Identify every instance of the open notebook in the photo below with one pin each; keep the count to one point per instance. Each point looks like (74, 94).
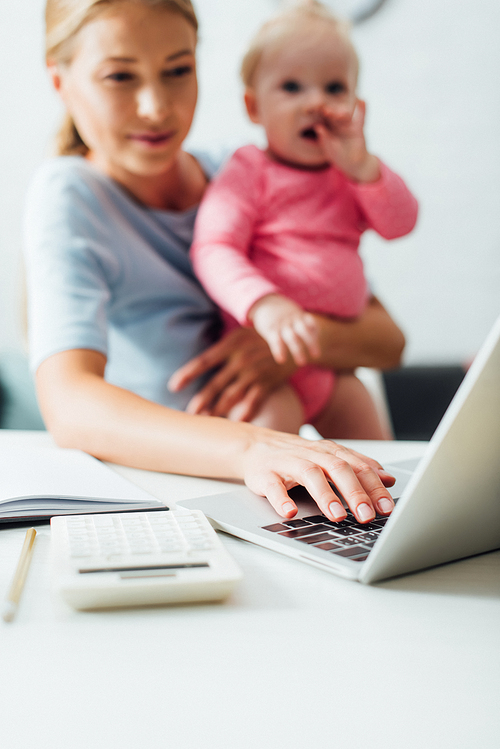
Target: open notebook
(37, 483)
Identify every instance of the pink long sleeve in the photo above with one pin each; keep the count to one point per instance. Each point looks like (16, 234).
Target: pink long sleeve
(265, 227)
(223, 233)
(389, 207)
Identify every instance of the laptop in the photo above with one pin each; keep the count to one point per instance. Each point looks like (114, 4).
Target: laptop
(446, 509)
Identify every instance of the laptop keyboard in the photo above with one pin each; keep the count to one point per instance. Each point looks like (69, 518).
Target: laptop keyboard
(345, 539)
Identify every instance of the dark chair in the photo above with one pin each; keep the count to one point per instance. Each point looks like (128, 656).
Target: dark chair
(418, 397)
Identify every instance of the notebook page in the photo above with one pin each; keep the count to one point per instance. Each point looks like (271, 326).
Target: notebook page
(56, 472)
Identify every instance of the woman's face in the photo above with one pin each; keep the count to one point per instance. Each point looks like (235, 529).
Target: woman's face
(131, 88)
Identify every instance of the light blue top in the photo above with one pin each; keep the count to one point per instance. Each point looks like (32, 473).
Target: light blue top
(108, 274)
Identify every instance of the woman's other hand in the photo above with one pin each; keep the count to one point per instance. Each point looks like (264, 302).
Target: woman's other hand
(246, 374)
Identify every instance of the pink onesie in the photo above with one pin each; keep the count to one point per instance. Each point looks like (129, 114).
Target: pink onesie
(264, 227)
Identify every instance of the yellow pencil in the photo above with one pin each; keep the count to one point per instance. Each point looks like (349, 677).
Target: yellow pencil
(14, 594)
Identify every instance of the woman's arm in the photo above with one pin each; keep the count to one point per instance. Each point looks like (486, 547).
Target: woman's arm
(372, 340)
(247, 373)
(83, 411)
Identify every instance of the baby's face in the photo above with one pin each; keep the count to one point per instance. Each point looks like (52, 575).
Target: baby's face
(300, 81)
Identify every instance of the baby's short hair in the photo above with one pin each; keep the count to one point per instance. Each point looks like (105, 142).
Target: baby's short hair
(286, 23)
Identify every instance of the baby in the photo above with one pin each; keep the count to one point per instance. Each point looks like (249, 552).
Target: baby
(277, 233)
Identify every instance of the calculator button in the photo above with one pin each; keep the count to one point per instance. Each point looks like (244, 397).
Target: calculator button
(201, 545)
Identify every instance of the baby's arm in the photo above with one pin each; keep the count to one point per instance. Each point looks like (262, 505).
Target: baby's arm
(220, 254)
(286, 327)
(223, 233)
(389, 207)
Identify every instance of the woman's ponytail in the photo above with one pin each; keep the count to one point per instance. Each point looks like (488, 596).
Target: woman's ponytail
(68, 141)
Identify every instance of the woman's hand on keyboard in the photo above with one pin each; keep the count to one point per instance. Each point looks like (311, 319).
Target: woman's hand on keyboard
(279, 462)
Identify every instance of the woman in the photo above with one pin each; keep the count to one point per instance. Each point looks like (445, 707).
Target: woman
(114, 307)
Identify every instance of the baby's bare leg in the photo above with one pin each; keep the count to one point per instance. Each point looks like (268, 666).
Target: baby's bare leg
(351, 413)
(282, 411)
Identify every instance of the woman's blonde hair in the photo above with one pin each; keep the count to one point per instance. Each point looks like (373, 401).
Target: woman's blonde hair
(63, 20)
(286, 23)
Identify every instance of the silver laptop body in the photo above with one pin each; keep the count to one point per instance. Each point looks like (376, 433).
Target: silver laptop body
(448, 508)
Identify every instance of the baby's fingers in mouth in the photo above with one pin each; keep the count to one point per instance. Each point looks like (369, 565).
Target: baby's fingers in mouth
(309, 133)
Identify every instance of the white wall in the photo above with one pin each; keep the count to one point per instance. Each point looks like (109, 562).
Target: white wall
(430, 74)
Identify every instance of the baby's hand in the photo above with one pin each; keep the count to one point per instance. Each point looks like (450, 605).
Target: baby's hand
(342, 137)
(287, 328)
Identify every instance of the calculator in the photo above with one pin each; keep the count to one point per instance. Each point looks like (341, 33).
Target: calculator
(139, 559)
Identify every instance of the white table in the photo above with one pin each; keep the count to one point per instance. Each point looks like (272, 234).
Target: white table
(297, 658)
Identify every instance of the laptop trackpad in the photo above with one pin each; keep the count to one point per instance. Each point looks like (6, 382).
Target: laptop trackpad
(408, 465)
(402, 470)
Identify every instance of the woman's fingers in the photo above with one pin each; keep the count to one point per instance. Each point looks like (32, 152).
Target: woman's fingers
(231, 396)
(223, 391)
(311, 477)
(277, 496)
(198, 366)
(246, 373)
(314, 468)
(358, 459)
(345, 480)
(380, 497)
(249, 405)
(205, 400)
(386, 478)
(360, 485)
(314, 480)
(230, 347)
(384, 475)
